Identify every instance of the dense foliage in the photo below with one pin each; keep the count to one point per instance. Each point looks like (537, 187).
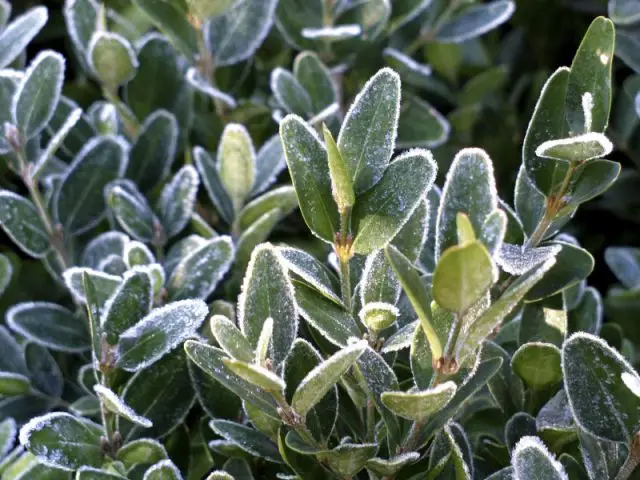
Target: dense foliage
(319, 239)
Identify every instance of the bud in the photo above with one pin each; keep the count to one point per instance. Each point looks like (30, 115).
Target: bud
(379, 315)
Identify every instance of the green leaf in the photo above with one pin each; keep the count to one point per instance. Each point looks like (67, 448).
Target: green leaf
(326, 316)
(368, 134)
(198, 273)
(49, 325)
(312, 272)
(270, 162)
(543, 323)
(63, 440)
(43, 370)
(592, 179)
(134, 214)
(153, 152)
(421, 125)
(163, 470)
(20, 221)
(463, 274)
(316, 79)
(301, 464)
(231, 339)
(213, 184)
(171, 19)
(411, 238)
(625, 264)
(210, 360)
(482, 327)
(538, 364)
(236, 164)
(56, 142)
(38, 93)
(178, 200)
(341, 184)
(236, 34)
(391, 466)
(143, 450)
(406, 11)
(599, 388)
(494, 230)
(349, 458)
(112, 59)
(8, 434)
(158, 333)
(267, 293)
(12, 384)
(576, 149)
(573, 264)
(420, 357)
(116, 405)
(307, 161)
(103, 284)
(247, 439)
(205, 9)
(6, 272)
(162, 394)
(90, 473)
(255, 374)
(382, 211)
(476, 21)
(531, 455)
(587, 315)
(469, 188)
(420, 405)
(290, 94)
(379, 315)
(418, 296)
(320, 380)
(591, 73)
(76, 205)
(13, 359)
(547, 123)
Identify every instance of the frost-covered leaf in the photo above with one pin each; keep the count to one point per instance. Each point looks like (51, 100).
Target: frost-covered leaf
(411, 238)
(326, 316)
(469, 188)
(79, 204)
(137, 254)
(316, 79)
(199, 272)
(38, 93)
(377, 316)
(463, 274)
(17, 35)
(91, 473)
(257, 233)
(153, 152)
(576, 149)
(419, 405)
(307, 161)
(539, 323)
(531, 455)
(270, 162)
(8, 433)
(311, 271)
(112, 59)
(538, 364)
(116, 405)
(213, 184)
(56, 142)
(383, 210)
(231, 339)
(236, 163)
(13, 384)
(158, 333)
(204, 9)
(202, 85)
(134, 214)
(63, 440)
(267, 293)
(493, 231)
(517, 260)
(320, 380)
(587, 315)
(236, 34)
(20, 221)
(391, 466)
(143, 450)
(368, 134)
(341, 185)
(129, 304)
(9, 81)
(49, 325)
(599, 388)
(163, 470)
(475, 21)
(591, 73)
(43, 370)
(104, 283)
(103, 245)
(162, 394)
(6, 272)
(625, 264)
(283, 198)
(178, 200)
(421, 125)
(210, 361)
(379, 282)
(290, 94)
(247, 439)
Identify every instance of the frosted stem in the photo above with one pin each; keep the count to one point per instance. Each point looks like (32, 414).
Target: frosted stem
(632, 461)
